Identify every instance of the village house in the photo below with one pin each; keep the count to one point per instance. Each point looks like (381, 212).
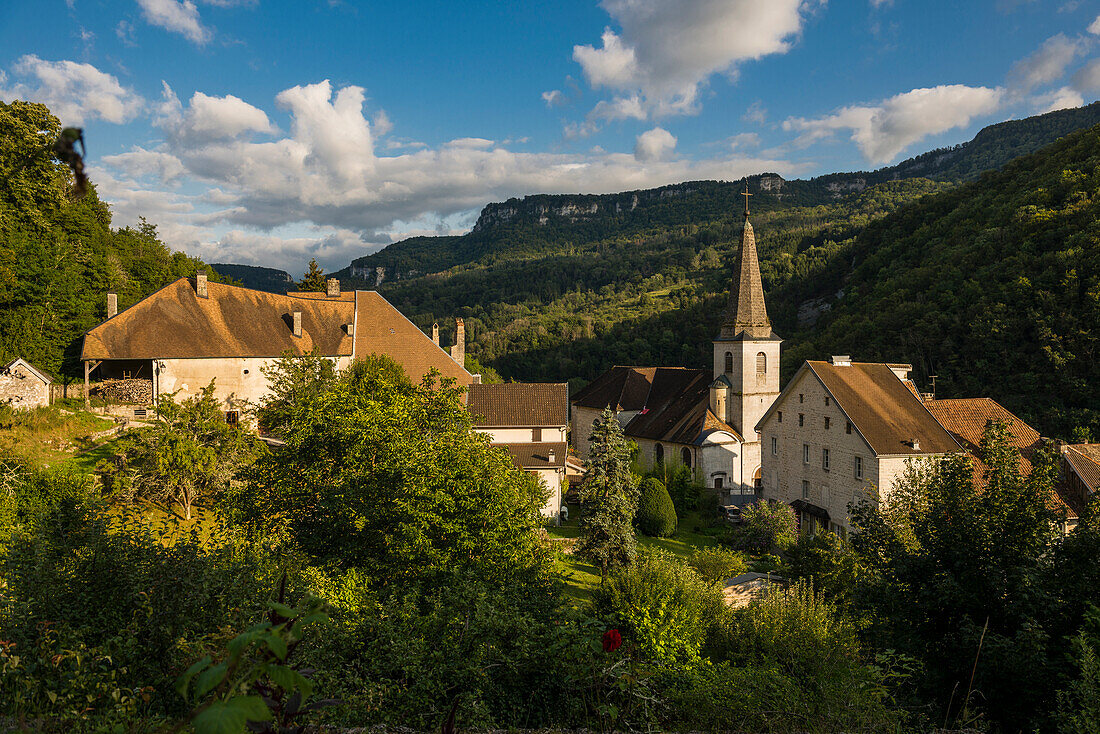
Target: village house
(841, 431)
(530, 421)
(701, 419)
(1080, 476)
(193, 331)
(23, 386)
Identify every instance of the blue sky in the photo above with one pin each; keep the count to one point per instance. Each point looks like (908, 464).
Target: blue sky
(267, 132)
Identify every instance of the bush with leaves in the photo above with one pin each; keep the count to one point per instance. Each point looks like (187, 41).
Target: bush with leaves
(662, 606)
(190, 454)
(766, 527)
(255, 687)
(715, 563)
(828, 561)
(387, 476)
(656, 515)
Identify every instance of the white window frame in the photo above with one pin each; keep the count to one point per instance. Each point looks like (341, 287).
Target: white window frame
(775, 446)
(858, 465)
(805, 453)
(825, 459)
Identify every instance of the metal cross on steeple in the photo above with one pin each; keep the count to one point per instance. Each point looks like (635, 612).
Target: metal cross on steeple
(746, 194)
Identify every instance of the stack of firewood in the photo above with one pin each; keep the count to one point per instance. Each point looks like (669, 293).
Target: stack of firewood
(130, 392)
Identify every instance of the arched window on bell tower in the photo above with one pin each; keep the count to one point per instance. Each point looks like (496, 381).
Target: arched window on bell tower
(761, 368)
(729, 363)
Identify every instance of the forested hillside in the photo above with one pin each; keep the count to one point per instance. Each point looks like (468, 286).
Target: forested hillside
(58, 253)
(271, 280)
(993, 286)
(564, 287)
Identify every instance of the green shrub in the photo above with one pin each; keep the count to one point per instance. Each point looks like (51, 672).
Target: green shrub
(717, 563)
(656, 514)
(663, 606)
(767, 527)
(829, 561)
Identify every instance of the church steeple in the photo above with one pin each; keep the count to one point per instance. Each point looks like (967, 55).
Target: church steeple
(746, 313)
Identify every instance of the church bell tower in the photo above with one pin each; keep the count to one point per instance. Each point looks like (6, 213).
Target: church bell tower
(746, 351)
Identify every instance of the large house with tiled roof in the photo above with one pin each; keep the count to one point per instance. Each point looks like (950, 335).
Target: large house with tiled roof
(530, 421)
(701, 419)
(843, 431)
(193, 331)
(840, 430)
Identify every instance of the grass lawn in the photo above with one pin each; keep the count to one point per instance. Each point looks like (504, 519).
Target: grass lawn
(582, 577)
(55, 437)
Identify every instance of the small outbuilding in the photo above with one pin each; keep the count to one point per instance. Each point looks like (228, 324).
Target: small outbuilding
(24, 387)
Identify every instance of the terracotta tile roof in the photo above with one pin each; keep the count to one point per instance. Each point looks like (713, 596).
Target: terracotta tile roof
(1085, 460)
(966, 419)
(677, 409)
(883, 409)
(233, 321)
(519, 404)
(382, 329)
(537, 455)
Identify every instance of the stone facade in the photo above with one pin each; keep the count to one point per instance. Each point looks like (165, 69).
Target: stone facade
(23, 387)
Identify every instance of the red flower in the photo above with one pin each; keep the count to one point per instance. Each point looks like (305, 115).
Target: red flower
(612, 640)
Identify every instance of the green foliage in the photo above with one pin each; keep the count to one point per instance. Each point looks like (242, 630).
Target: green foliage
(59, 255)
(717, 564)
(489, 376)
(313, 279)
(292, 379)
(663, 606)
(29, 494)
(388, 476)
(1079, 705)
(827, 561)
(254, 687)
(968, 555)
(656, 516)
(190, 454)
(766, 527)
(609, 499)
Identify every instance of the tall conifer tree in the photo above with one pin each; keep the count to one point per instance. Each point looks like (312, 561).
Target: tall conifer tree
(610, 499)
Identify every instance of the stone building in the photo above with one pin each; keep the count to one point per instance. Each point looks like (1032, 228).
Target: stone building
(842, 431)
(193, 331)
(530, 420)
(702, 419)
(24, 387)
(1080, 476)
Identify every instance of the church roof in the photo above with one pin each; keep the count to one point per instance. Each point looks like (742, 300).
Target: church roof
(746, 315)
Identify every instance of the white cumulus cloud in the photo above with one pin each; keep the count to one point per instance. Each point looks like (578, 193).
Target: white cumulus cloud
(327, 186)
(176, 16)
(1046, 65)
(210, 118)
(1087, 78)
(884, 130)
(1059, 99)
(654, 145)
(668, 48)
(1094, 27)
(76, 93)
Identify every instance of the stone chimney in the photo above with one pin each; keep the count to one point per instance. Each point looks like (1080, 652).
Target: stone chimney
(332, 287)
(915, 443)
(200, 285)
(112, 305)
(458, 351)
(350, 328)
(841, 360)
(477, 378)
(551, 456)
(296, 319)
(435, 334)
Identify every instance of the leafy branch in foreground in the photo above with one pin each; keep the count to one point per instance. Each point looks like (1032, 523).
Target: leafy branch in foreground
(255, 688)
